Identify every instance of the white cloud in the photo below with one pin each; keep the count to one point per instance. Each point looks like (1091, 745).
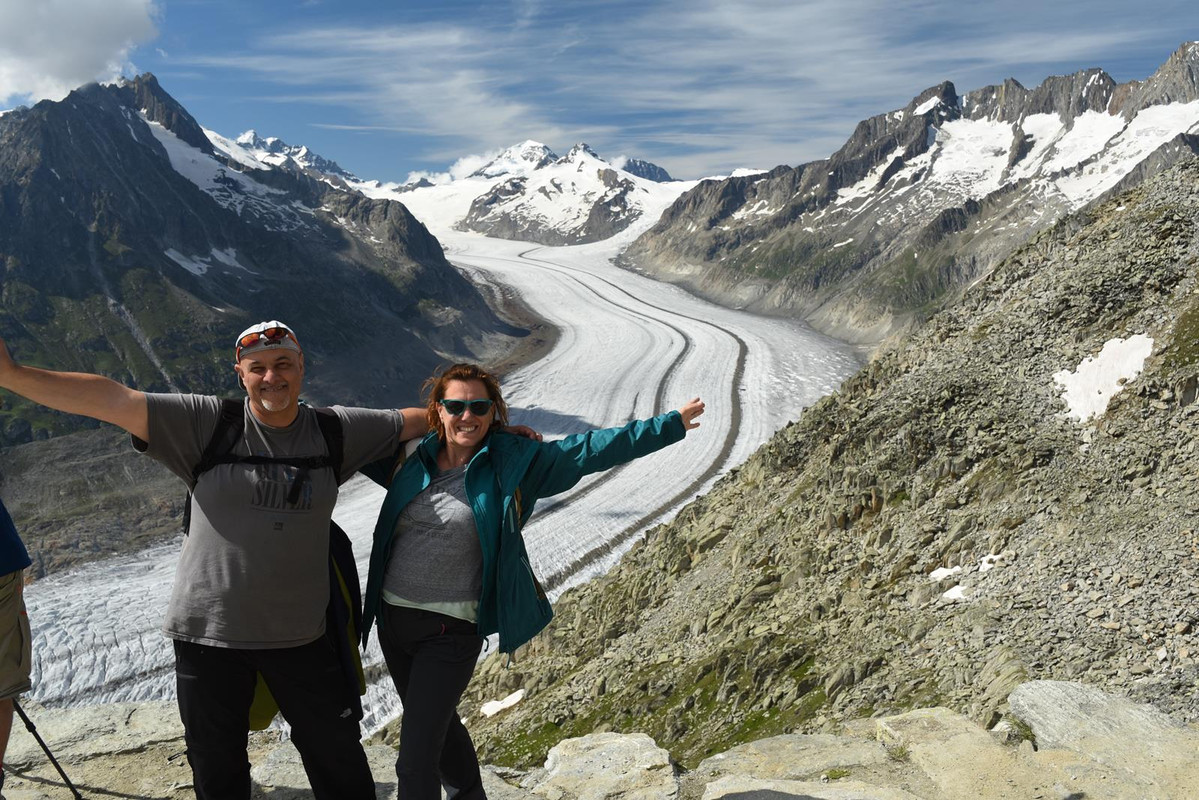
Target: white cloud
(461, 168)
(49, 47)
(697, 85)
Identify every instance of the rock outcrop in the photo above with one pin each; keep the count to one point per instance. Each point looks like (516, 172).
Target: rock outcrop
(1060, 746)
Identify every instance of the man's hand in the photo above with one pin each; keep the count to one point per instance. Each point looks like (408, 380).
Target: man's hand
(689, 411)
(521, 430)
(7, 365)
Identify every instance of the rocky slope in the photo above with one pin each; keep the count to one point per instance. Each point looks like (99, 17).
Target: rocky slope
(1069, 741)
(923, 200)
(131, 246)
(87, 495)
(809, 587)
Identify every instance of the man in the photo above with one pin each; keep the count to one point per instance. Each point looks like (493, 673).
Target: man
(251, 586)
(15, 638)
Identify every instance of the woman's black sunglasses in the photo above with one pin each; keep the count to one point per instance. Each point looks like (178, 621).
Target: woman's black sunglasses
(455, 408)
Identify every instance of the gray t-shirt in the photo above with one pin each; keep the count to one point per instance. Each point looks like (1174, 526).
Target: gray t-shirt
(253, 572)
(436, 562)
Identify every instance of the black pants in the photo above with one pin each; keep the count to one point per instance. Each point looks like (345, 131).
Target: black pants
(216, 686)
(431, 658)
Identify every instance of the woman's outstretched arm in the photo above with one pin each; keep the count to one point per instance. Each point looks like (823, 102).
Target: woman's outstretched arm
(559, 465)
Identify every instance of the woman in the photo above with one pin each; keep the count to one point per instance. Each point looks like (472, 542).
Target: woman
(449, 566)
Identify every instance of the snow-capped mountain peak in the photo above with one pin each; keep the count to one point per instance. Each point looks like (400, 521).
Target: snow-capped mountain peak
(520, 159)
(527, 192)
(252, 140)
(254, 150)
(578, 152)
(642, 169)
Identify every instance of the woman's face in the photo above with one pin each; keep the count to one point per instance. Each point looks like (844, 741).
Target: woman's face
(466, 430)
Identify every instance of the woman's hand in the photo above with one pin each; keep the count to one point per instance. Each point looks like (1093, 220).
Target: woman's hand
(689, 411)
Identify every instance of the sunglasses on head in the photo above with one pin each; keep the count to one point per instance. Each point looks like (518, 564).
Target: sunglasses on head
(456, 408)
(270, 336)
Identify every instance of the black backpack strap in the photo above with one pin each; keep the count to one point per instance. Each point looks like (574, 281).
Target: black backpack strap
(228, 431)
(335, 439)
(229, 426)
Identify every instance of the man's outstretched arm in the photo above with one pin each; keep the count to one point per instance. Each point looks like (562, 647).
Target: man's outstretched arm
(415, 423)
(77, 393)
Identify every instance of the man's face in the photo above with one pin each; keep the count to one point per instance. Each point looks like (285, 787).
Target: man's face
(273, 379)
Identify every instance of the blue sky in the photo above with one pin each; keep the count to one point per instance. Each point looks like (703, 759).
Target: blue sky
(701, 87)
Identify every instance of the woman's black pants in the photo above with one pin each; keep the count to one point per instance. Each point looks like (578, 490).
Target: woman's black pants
(431, 658)
(216, 687)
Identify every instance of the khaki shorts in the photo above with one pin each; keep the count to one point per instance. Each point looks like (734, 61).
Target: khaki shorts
(15, 640)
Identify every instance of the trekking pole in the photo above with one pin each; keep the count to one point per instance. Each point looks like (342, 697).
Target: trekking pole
(33, 729)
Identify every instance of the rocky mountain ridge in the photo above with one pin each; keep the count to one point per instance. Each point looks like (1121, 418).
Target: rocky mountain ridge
(131, 246)
(278, 153)
(937, 532)
(922, 201)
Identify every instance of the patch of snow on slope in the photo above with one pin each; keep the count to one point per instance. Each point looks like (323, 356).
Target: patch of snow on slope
(1149, 130)
(233, 190)
(199, 265)
(493, 707)
(927, 106)
(971, 156)
(955, 595)
(1090, 387)
(1091, 132)
(866, 186)
(189, 264)
(758, 209)
(228, 257)
(1045, 131)
(235, 151)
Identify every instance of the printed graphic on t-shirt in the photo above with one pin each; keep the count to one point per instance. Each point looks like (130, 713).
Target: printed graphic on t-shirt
(273, 485)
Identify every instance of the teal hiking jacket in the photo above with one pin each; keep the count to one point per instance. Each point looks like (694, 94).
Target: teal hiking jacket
(504, 480)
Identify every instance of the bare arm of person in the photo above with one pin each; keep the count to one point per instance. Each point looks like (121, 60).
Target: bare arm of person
(689, 411)
(415, 423)
(77, 393)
